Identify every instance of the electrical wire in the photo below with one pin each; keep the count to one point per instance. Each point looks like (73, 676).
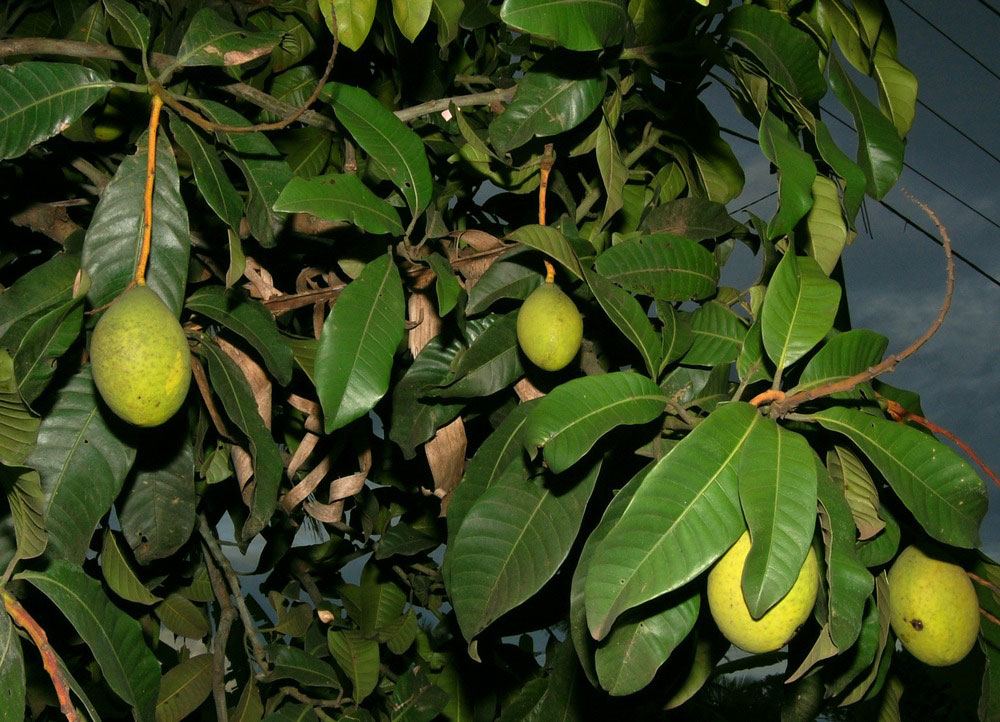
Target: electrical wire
(990, 8)
(951, 40)
(955, 128)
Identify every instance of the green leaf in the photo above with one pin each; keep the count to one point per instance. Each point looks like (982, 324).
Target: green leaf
(447, 14)
(114, 638)
(114, 238)
(238, 401)
(340, 197)
(446, 286)
(682, 518)
(626, 313)
(43, 99)
(157, 512)
(550, 241)
(358, 657)
(614, 172)
(90, 27)
(510, 277)
(752, 365)
(675, 336)
(265, 170)
(119, 574)
(47, 339)
(718, 336)
(848, 472)
(692, 218)
(209, 175)
(415, 698)
(556, 94)
(212, 40)
(568, 421)
(897, 90)
(512, 541)
(184, 687)
(182, 617)
(854, 184)
(18, 426)
(293, 663)
(574, 24)
(849, 582)
(23, 489)
(826, 231)
(134, 23)
(411, 16)
(882, 547)
(491, 363)
(880, 151)
(11, 672)
(642, 640)
(82, 463)
(354, 19)
(358, 342)
(304, 713)
(30, 296)
(249, 708)
(799, 309)
(382, 602)
(939, 487)
(307, 150)
(665, 267)
(386, 139)
(790, 56)
(841, 357)
(777, 482)
(248, 318)
(796, 173)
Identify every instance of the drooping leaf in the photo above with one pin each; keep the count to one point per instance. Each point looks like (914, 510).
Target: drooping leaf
(42, 288)
(897, 89)
(133, 22)
(386, 139)
(510, 277)
(573, 24)
(492, 362)
(212, 40)
(11, 672)
(777, 483)
(796, 173)
(550, 241)
(182, 617)
(693, 218)
(23, 489)
(939, 487)
(114, 238)
(43, 99)
(848, 472)
(18, 426)
(626, 313)
(826, 230)
(184, 687)
(358, 342)
(358, 657)
(446, 286)
(799, 309)
(340, 197)
(119, 574)
(209, 175)
(841, 357)
(682, 518)
(354, 19)
(114, 638)
(293, 663)
(568, 421)
(82, 462)
(382, 601)
(675, 336)
(665, 267)
(556, 94)
(248, 318)
(854, 181)
(513, 539)
(752, 364)
(614, 172)
(411, 16)
(447, 14)
(718, 336)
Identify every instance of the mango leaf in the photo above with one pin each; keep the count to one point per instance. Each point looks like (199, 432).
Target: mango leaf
(184, 687)
(718, 336)
(447, 14)
(114, 238)
(134, 23)
(411, 16)
(778, 495)
(897, 89)
(665, 267)
(752, 364)
(265, 170)
(415, 698)
(307, 150)
(849, 582)
(386, 139)
(43, 99)
(675, 336)
(796, 173)
(854, 184)
(841, 357)
(826, 230)
(381, 601)
(249, 708)
(939, 487)
(514, 538)
(789, 55)
(568, 421)
(510, 277)
(880, 151)
(446, 286)
(157, 512)
(358, 657)
(354, 19)
(119, 574)
(626, 313)
(358, 342)
(694, 218)
(238, 401)
(550, 241)
(82, 463)
(614, 172)
(248, 318)
(882, 547)
(491, 363)
(182, 617)
(573, 24)
(212, 40)
(11, 672)
(22, 487)
(883, 652)
(340, 197)
(18, 426)
(47, 339)
(848, 472)
(114, 638)
(556, 94)
(42, 288)
(682, 518)
(799, 309)
(209, 175)
(293, 663)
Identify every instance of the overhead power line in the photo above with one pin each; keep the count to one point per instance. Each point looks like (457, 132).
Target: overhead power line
(958, 130)
(951, 40)
(990, 8)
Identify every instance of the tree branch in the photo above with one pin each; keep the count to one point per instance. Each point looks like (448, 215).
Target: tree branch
(226, 619)
(459, 101)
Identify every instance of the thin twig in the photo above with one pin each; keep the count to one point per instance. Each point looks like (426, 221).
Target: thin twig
(503, 95)
(147, 198)
(783, 406)
(49, 659)
(95, 175)
(226, 619)
(312, 701)
(989, 616)
(259, 653)
(548, 159)
(985, 582)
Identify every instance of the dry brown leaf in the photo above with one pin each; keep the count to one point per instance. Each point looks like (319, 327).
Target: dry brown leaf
(480, 240)
(446, 457)
(206, 395)
(298, 493)
(302, 452)
(260, 384)
(422, 313)
(243, 464)
(261, 284)
(526, 391)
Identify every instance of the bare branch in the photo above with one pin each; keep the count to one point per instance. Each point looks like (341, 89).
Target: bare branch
(226, 620)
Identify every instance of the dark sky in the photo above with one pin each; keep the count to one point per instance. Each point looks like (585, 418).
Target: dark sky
(895, 275)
